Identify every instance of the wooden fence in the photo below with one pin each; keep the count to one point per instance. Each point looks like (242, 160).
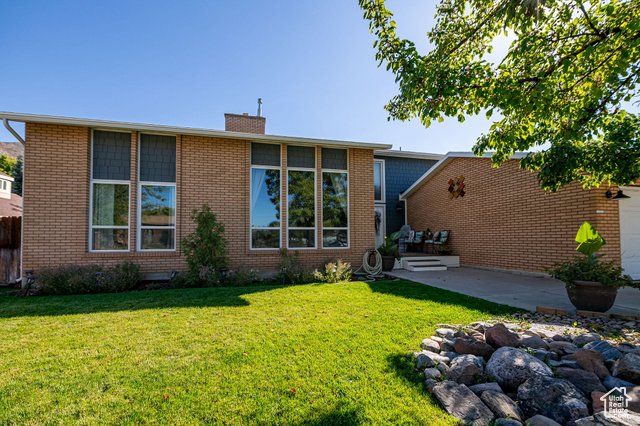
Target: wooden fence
(10, 246)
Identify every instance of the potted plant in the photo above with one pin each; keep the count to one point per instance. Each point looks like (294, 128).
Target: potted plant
(389, 252)
(592, 285)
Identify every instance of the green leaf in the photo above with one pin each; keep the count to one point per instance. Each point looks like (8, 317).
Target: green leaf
(588, 239)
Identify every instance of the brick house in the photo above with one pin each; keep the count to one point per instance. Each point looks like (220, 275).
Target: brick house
(505, 220)
(128, 191)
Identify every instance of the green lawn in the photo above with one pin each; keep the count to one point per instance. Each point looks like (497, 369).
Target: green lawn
(310, 354)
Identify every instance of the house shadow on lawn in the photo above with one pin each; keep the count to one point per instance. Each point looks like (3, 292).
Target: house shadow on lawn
(411, 290)
(11, 307)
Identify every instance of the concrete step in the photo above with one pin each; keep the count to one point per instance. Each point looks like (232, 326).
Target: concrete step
(423, 263)
(425, 268)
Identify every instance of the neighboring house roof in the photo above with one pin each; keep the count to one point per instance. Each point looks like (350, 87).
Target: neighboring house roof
(448, 157)
(33, 118)
(11, 206)
(408, 154)
(6, 176)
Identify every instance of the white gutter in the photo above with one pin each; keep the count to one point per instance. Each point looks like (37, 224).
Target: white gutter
(12, 131)
(409, 154)
(104, 124)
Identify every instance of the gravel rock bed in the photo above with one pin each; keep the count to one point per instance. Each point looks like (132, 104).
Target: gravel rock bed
(534, 369)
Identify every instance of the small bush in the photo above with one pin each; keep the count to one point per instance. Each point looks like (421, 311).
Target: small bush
(240, 277)
(334, 272)
(291, 271)
(82, 279)
(236, 277)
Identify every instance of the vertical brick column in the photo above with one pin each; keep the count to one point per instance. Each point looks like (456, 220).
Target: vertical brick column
(133, 199)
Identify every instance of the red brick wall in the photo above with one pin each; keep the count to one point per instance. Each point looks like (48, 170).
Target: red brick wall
(505, 220)
(244, 123)
(209, 170)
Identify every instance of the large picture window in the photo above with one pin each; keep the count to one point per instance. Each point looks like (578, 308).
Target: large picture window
(157, 193)
(110, 191)
(265, 196)
(301, 193)
(335, 198)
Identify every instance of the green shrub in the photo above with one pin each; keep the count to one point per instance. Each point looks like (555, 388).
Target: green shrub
(240, 277)
(291, 271)
(334, 272)
(205, 250)
(82, 279)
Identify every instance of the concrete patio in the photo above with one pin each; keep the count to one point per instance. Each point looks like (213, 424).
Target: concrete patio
(520, 291)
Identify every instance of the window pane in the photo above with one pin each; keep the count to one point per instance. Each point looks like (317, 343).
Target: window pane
(335, 159)
(158, 207)
(111, 155)
(334, 200)
(263, 238)
(157, 239)
(377, 181)
(110, 204)
(302, 238)
(335, 238)
(302, 197)
(110, 239)
(157, 158)
(265, 154)
(265, 198)
(301, 156)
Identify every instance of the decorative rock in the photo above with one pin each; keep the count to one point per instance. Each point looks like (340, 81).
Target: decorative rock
(451, 355)
(507, 422)
(432, 373)
(442, 368)
(545, 355)
(605, 348)
(627, 348)
(585, 381)
(554, 398)
(465, 369)
(501, 405)
(591, 361)
(511, 367)
(430, 345)
(430, 383)
(583, 339)
(462, 404)
(611, 382)
(599, 419)
(481, 387)
(445, 332)
(437, 339)
(534, 342)
(596, 403)
(499, 336)
(634, 399)
(539, 420)
(426, 359)
(563, 348)
(447, 345)
(469, 345)
(564, 363)
(628, 368)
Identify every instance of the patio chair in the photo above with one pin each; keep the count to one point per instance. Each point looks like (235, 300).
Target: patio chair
(417, 240)
(405, 233)
(441, 240)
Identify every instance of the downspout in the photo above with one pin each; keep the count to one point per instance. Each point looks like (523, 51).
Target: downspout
(17, 136)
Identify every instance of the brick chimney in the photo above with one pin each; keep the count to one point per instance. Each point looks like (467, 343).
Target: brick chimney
(244, 123)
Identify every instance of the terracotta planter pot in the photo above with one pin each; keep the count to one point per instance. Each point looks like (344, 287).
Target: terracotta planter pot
(388, 262)
(592, 296)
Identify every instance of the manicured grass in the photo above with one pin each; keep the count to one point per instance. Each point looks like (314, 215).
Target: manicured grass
(313, 354)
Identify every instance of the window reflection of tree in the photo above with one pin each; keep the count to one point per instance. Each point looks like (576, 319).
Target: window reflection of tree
(154, 203)
(272, 181)
(301, 199)
(334, 200)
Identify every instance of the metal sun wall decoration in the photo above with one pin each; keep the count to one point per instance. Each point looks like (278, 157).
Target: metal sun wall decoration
(456, 188)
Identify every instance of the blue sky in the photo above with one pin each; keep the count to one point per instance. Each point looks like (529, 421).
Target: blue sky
(187, 63)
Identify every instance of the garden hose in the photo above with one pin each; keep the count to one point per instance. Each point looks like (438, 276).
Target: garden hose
(371, 270)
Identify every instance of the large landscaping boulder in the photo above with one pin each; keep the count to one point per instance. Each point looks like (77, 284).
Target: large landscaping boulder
(534, 342)
(501, 405)
(539, 420)
(462, 404)
(591, 361)
(469, 345)
(499, 336)
(481, 387)
(465, 369)
(511, 367)
(600, 419)
(605, 348)
(583, 339)
(556, 399)
(426, 359)
(563, 348)
(628, 368)
(430, 345)
(585, 381)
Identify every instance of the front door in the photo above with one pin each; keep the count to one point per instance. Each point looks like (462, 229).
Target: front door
(630, 232)
(380, 225)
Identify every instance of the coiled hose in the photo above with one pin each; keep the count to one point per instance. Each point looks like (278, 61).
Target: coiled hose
(371, 270)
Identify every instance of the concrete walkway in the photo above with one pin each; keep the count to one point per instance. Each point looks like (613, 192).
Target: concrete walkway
(520, 291)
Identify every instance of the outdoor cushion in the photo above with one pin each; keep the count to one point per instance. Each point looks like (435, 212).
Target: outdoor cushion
(436, 236)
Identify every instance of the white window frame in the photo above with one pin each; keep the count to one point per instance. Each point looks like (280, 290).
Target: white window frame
(348, 228)
(139, 201)
(265, 228)
(108, 182)
(315, 202)
(382, 185)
